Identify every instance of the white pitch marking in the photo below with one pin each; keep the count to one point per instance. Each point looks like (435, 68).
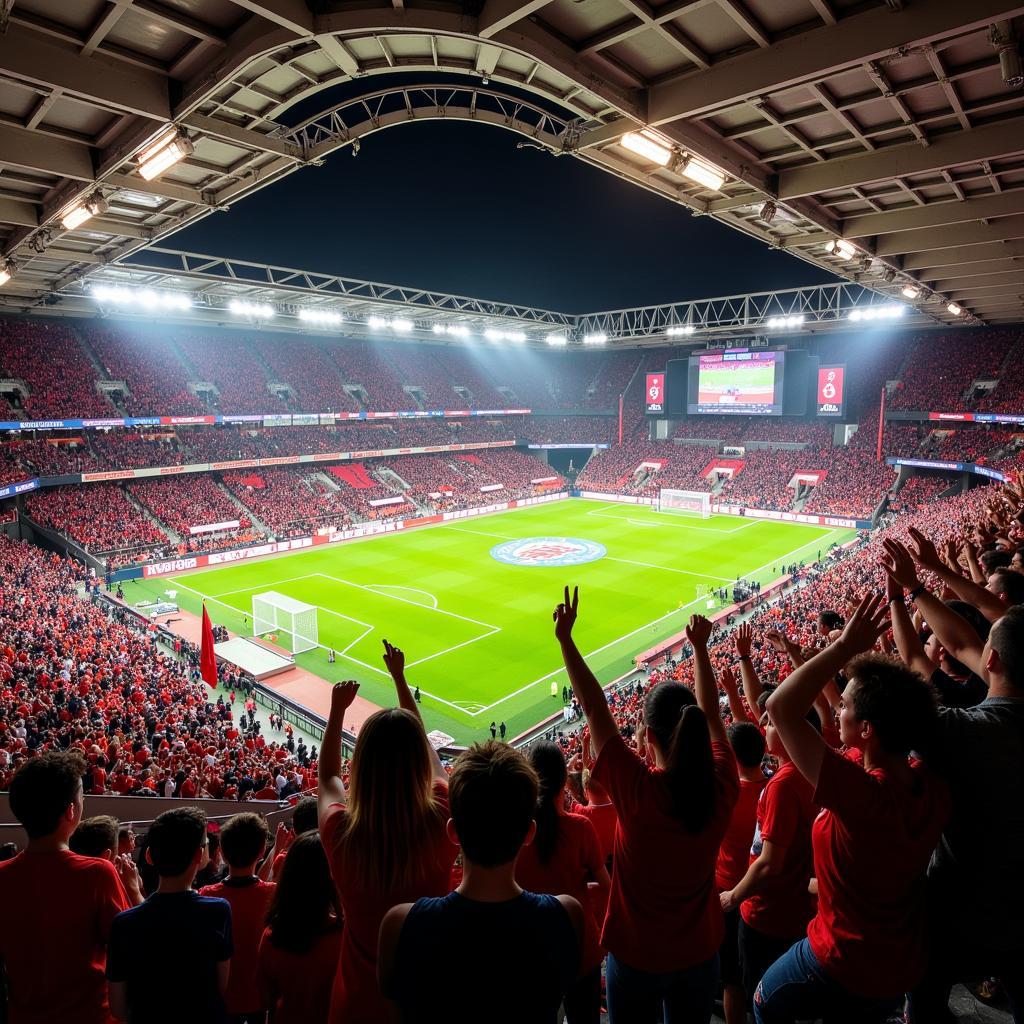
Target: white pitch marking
(394, 586)
(480, 533)
(448, 650)
(598, 650)
(667, 568)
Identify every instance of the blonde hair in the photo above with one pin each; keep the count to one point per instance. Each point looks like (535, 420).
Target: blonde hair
(392, 812)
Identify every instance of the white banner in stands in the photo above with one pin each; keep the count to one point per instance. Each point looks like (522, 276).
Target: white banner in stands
(229, 524)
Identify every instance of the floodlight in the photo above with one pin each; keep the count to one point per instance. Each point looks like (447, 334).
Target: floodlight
(254, 309)
(648, 145)
(6, 272)
(780, 322)
(165, 151)
(703, 173)
(678, 331)
(147, 298)
(768, 211)
(841, 247)
(557, 339)
(892, 311)
(911, 291)
(595, 339)
(955, 309)
(321, 316)
(402, 326)
(79, 213)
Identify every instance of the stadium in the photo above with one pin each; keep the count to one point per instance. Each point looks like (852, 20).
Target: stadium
(560, 559)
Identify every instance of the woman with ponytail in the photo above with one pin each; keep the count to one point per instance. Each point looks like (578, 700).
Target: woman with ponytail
(564, 857)
(664, 923)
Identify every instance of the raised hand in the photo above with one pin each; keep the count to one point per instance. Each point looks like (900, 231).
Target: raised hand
(564, 615)
(728, 680)
(394, 660)
(866, 624)
(777, 640)
(926, 556)
(343, 694)
(899, 565)
(744, 637)
(698, 632)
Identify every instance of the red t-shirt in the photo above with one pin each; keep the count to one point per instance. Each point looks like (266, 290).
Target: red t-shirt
(576, 860)
(297, 987)
(250, 900)
(872, 844)
(57, 909)
(356, 998)
(663, 911)
(604, 819)
(734, 853)
(785, 814)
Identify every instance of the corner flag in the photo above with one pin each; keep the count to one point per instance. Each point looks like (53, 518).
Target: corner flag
(207, 659)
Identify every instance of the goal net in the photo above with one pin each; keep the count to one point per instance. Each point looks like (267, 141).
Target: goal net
(275, 613)
(685, 503)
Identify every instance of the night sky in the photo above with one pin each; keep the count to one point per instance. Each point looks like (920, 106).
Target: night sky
(457, 207)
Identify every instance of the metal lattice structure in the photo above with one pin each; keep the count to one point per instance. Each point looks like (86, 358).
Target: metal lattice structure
(896, 125)
(211, 283)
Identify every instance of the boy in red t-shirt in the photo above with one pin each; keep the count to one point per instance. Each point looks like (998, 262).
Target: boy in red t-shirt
(63, 903)
(243, 842)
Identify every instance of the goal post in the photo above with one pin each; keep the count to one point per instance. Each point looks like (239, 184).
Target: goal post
(275, 613)
(685, 503)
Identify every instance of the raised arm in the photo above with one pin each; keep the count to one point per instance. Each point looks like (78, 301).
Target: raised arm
(583, 682)
(752, 688)
(394, 661)
(967, 590)
(789, 704)
(331, 789)
(698, 632)
(902, 575)
(739, 712)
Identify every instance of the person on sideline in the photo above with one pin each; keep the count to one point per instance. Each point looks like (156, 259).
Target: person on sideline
(522, 947)
(664, 924)
(58, 907)
(384, 833)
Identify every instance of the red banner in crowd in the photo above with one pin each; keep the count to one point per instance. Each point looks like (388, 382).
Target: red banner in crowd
(207, 659)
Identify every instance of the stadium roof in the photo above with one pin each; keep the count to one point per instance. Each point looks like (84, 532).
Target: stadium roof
(896, 126)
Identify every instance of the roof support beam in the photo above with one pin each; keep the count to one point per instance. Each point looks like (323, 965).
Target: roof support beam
(950, 236)
(989, 142)
(242, 137)
(968, 295)
(1008, 265)
(811, 55)
(927, 261)
(933, 214)
(976, 284)
(48, 63)
(498, 15)
(22, 214)
(33, 151)
(293, 15)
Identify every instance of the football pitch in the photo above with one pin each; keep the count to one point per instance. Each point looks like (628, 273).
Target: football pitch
(470, 601)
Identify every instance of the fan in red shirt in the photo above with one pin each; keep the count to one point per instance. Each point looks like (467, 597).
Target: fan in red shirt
(879, 825)
(562, 859)
(63, 904)
(385, 834)
(748, 747)
(243, 842)
(664, 924)
(300, 947)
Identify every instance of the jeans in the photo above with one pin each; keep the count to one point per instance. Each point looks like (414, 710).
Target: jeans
(757, 952)
(684, 997)
(796, 988)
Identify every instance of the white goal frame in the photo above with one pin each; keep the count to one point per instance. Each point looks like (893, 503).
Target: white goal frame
(275, 613)
(684, 503)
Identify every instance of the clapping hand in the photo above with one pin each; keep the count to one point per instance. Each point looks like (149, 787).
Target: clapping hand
(564, 615)
(866, 624)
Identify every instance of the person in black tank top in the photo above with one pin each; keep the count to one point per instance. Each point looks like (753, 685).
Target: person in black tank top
(489, 949)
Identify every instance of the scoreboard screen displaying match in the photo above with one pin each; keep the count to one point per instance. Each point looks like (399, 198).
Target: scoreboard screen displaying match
(736, 382)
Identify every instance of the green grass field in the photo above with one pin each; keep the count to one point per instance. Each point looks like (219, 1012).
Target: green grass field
(477, 632)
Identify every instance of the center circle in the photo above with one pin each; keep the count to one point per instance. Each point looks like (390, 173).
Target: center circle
(548, 552)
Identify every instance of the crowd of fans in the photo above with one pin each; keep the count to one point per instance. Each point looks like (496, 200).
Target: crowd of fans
(815, 814)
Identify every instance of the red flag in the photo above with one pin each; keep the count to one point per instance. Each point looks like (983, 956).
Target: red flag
(207, 659)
